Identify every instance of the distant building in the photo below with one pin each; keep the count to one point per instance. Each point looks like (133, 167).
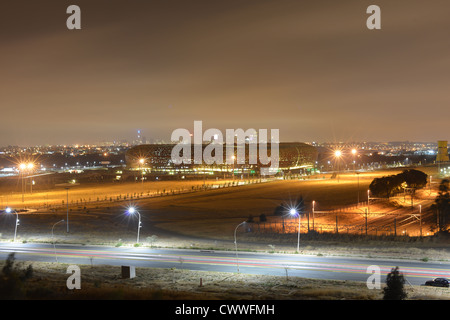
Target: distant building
(442, 153)
(157, 158)
(140, 139)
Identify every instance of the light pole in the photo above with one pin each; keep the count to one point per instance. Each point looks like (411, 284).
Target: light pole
(141, 162)
(368, 201)
(294, 212)
(430, 184)
(235, 245)
(133, 210)
(338, 154)
(23, 167)
(67, 186)
(67, 213)
(313, 208)
(9, 210)
(54, 245)
(232, 172)
(354, 161)
(420, 219)
(357, 174)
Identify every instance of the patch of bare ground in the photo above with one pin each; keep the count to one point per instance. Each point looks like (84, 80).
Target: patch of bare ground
(48, 282)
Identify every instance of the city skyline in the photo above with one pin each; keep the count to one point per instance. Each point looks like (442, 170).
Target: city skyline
(310, 69)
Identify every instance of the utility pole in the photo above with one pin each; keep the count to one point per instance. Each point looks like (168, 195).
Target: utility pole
(366, 222)
(420, 221)
(357, 174)
(313, 205)
(337, 227)
(67, 189)
(395, 226)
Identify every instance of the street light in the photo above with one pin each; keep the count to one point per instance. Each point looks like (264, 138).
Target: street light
(313, 208)
(9, 210)
(132, 211)
(337, 155)
(357, 174)
(141, 162)
(67, 186)
(420, 219)
(235, 245)
(354, 162)
(294, 212)
(232, 172)
(23, 167)
(54, 245)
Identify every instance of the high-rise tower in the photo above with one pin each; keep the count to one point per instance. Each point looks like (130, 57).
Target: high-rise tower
(442, 153)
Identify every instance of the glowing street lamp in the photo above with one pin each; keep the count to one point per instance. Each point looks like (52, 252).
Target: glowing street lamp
(354, 152)
(9, 210)
(313, 209)
(141, 162)
(294, 212)
(338, 155)
(23, 167)
(132, 211)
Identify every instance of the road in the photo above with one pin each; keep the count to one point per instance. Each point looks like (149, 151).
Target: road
(332, 268)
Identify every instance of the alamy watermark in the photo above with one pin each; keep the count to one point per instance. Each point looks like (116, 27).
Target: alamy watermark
(235, 144)
(74, 280)
(374, 280)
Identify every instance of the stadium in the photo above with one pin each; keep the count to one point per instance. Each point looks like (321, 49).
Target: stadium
(157, 159)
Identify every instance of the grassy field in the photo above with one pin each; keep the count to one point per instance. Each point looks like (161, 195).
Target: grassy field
(207, 219)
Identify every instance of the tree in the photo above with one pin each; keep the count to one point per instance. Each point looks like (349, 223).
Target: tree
(262, 217)
(442, 204)
(414, 178)
(300, 205)
(395, 286)
(388, 185)
(12, 280)
(280, 210)
(385, 186)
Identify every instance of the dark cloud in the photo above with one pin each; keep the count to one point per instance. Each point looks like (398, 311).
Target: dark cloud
(309, 68)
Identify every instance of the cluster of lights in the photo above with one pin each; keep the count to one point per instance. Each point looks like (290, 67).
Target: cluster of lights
(339, 153)
(26, 166)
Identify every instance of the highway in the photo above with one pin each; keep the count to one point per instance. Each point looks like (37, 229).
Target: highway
(315, 267)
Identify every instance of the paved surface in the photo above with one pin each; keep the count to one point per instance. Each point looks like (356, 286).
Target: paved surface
(332, 268)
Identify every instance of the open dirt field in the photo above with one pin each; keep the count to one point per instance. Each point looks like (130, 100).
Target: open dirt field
(207, 219)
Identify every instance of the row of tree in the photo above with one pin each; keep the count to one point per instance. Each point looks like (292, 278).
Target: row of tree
(389, 185)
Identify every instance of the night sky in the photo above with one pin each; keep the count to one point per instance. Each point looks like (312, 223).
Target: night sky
(311, 69)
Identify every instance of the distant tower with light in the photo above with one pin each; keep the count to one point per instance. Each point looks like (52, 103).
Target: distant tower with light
(442, 153)
(139, 140)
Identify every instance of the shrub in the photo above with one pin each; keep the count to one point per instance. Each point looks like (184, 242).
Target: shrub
(12, 279)
(395, 286)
